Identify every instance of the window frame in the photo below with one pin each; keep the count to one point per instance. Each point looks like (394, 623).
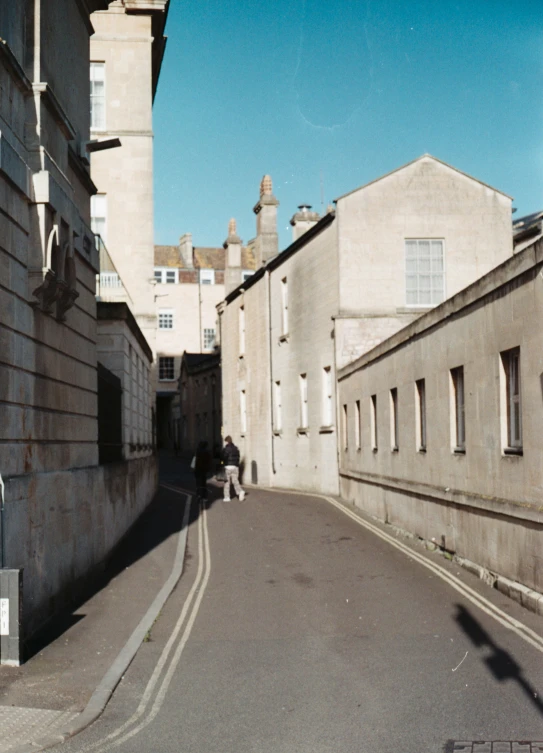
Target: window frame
(163, 272)
(94, 66)
(423, 273)
(394, 426)
(512, 440)
(162, 366)
(206, 276)
(304, 408)
(278, 408)
(165, 315)
(327, 397)
(207, 330)
(357, 426)
(458, 410)
(243, 412)
(373, 423)
(241, 326)
(284, 307)
(421, 427)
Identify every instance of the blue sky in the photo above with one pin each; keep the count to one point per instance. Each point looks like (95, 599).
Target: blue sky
(326, 96)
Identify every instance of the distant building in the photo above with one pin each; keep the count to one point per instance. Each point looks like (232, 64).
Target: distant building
(190, 282)
(392, 250)
(197, 405)
(526, 230)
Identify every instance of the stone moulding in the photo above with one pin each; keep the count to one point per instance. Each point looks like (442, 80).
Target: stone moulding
(56, 292)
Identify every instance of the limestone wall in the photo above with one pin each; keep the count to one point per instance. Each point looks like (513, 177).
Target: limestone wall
(484, 502)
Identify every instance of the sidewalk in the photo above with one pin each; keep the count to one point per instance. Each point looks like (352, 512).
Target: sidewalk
(77, 662)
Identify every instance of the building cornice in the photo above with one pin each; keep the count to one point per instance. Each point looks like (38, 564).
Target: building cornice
(121, 312)
(8, 58)
(81, 171)
(55, 108)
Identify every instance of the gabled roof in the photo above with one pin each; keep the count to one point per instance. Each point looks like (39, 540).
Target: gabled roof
(419, 159)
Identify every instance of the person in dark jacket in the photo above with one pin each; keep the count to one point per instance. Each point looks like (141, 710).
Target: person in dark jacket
(202, 466)
(230, 457)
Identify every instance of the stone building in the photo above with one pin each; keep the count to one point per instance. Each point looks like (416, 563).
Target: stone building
(197, 406)
(442, 428)
(190, 282)
(59, 513)
(390, 251)
(127, 49)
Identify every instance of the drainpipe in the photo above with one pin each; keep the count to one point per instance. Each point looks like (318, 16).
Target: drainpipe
(2, 526)
(271, 370)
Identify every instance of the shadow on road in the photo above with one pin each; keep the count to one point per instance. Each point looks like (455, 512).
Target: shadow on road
(500, 662)
(161, 519)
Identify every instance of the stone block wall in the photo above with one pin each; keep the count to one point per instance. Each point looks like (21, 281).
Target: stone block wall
(484, 501)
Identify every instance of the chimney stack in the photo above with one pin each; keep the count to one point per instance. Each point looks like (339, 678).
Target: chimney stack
(185, 250)
(266, 241)
(232, 258)
(303, 220)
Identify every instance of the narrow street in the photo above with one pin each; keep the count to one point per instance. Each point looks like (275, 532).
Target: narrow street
(296, 629)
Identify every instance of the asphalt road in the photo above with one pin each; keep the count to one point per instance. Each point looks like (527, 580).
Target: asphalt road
(296, 630)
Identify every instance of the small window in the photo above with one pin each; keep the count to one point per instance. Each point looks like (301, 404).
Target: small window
(459, 428)
(243, 411)
(209, 339)
(327, 396)
(166, 368)
(304, 417)
(373, 422)
(357, 424)
(98, 96)
(242, 330)
(158, 275)
(207, 277)
(394, 442)
(424, 275)
(420, 400)
(99, 215)
(278, 418)
(165, 319)
(284, 306)
(512, 402)
(171, 276)
(345, 428)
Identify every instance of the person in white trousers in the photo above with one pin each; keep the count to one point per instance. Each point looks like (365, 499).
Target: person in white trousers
(231, 459)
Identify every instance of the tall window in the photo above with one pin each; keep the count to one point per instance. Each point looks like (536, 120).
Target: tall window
(99, 215)
(304, 416)
(207, 277)
(424, 278)
(165, 318)
(243, 411)
(457, 381)
(420, 400)
(345, 428)
(327, 396)
(357, 424)
(98, 96)
(373, 422)
(284, 306)
(513, 405)
(278, 417)
(394, 442)
(166, 369)
(209, 339)
(242, 330)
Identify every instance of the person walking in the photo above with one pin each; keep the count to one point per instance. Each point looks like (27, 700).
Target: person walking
(202, 466)
(231, 468)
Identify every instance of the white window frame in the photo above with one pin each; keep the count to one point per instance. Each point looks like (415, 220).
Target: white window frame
(246, 273)
(99, 215)
(166, 319)
(243, 411)
(422, 261)
(97, 77)
(345, 427)
(166, 275)
(327, 397)
(284, 306)
(420, 403)
(511, 401)
(304, 412)
(162, 368)
(241, 331)
(207, 277)
(278, 412)
(357, 425)
(209, 340)
(458, 410)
